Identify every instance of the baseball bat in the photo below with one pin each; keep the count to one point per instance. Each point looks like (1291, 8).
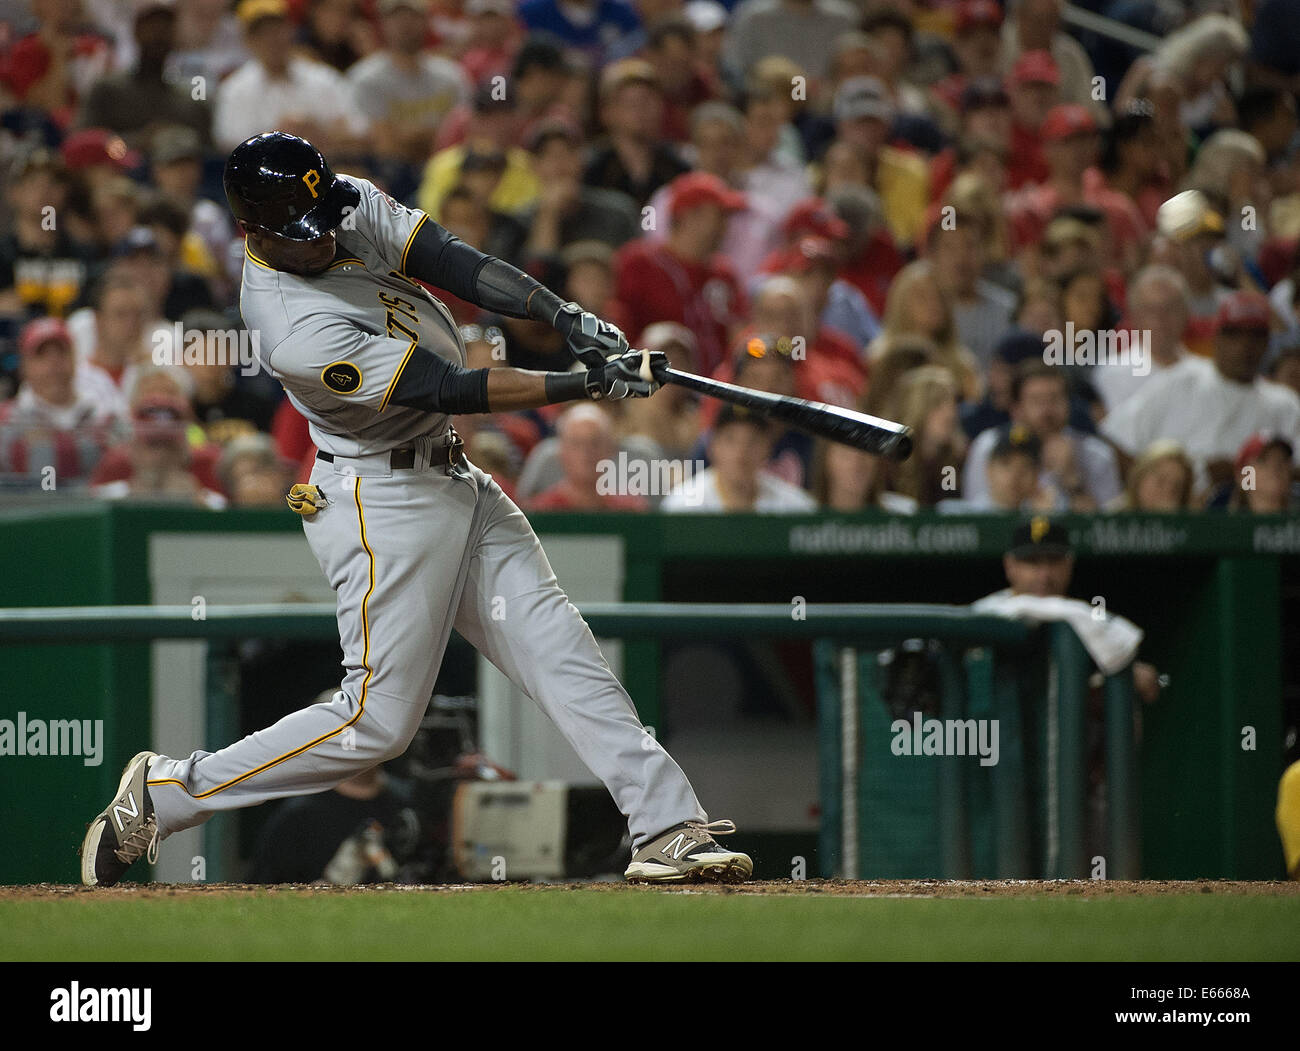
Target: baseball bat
(869, 433)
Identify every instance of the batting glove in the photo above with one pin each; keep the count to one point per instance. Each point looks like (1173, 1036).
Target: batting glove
(590, 339)
(630, 375)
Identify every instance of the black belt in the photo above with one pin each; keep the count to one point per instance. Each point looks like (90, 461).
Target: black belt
(403, 459)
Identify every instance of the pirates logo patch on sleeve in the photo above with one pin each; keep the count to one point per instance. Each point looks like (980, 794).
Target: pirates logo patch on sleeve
(342, 377)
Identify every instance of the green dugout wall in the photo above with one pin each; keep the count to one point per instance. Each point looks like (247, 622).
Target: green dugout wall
(1213, 592)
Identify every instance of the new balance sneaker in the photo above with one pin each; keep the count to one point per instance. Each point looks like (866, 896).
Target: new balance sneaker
(687, 852)
(117, 837)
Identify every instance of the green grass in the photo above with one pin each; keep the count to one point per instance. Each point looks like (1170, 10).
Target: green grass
(524, 924)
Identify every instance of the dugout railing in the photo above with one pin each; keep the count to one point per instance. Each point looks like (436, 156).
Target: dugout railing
(882, 814)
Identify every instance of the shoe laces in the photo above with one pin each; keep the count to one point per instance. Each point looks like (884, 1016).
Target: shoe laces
(722, 827)
(143, 840)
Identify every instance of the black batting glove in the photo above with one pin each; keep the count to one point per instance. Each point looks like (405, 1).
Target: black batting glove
(625, 376)
(590, 339)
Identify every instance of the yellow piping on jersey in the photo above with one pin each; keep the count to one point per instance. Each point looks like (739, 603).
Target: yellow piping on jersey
(409, 240)
(260, 262)
(365, 683)
(398, 374)
(409, 280)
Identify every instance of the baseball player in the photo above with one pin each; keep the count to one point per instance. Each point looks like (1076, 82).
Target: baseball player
(413, 537)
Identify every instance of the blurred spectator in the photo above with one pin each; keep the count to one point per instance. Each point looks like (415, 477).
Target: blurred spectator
(209, 44)
(927, 403)
(863, 114)
(718, 133)
(1265, 476)
(277, 89)
(1035, 25)
(584, 25)
(1285, 368)
(828, 366)
(54, 423)
(772, 138)
(682, 278)
(849, 479)
(633, 158)
(159, 462)
(671, 49)
(837, 305)
(802, 30)
(493, 39)
(337, 34)
(591, 477)
(1191, 239)
(1131, 162)
(994, 409)
(588, 268)
(917, 307)
(1039, 308)
(977, 46)
(1212, 407)
(1268, 115)
(981, 311)
(765, 363)
(513, 186)
(1070, 142)
(176, 159)
(532, 91)
(403, 91)
(740, 446)
(118, 338)
(43, 269)
(1034, 87)
(891, 35)
(870, 257)
(1161, 479)
(53, 67)
(152, 254)
(1081, 467)
(1198, 57)
(710, 21)
(1158, 310)
(1014, 478)
(669, 423)
(230, 396)
(566, 210)
(136, 103)
(252, 473)
(985, 131)
(1230, 169)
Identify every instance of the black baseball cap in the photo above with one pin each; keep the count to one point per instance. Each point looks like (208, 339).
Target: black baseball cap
(1016, 438)
(1019, 345)
(1040, 538)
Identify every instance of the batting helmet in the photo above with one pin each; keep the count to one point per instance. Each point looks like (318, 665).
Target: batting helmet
(281, 183)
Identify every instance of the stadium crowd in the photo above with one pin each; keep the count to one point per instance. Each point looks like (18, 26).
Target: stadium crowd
(1070, 264)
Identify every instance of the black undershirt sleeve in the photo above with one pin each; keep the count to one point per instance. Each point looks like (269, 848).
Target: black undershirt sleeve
(434, 384)
(443, 260)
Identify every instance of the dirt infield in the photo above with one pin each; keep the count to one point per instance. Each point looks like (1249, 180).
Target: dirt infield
(836, 888)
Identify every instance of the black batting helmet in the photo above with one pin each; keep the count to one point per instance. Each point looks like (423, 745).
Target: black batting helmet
(283, 184)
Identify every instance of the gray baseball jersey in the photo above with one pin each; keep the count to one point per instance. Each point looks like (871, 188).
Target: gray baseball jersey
(338, 341)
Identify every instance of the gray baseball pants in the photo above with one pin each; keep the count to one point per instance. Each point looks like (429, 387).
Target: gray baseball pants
(411, 554)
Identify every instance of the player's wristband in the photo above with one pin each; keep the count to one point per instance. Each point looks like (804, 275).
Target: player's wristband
(565, 386)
